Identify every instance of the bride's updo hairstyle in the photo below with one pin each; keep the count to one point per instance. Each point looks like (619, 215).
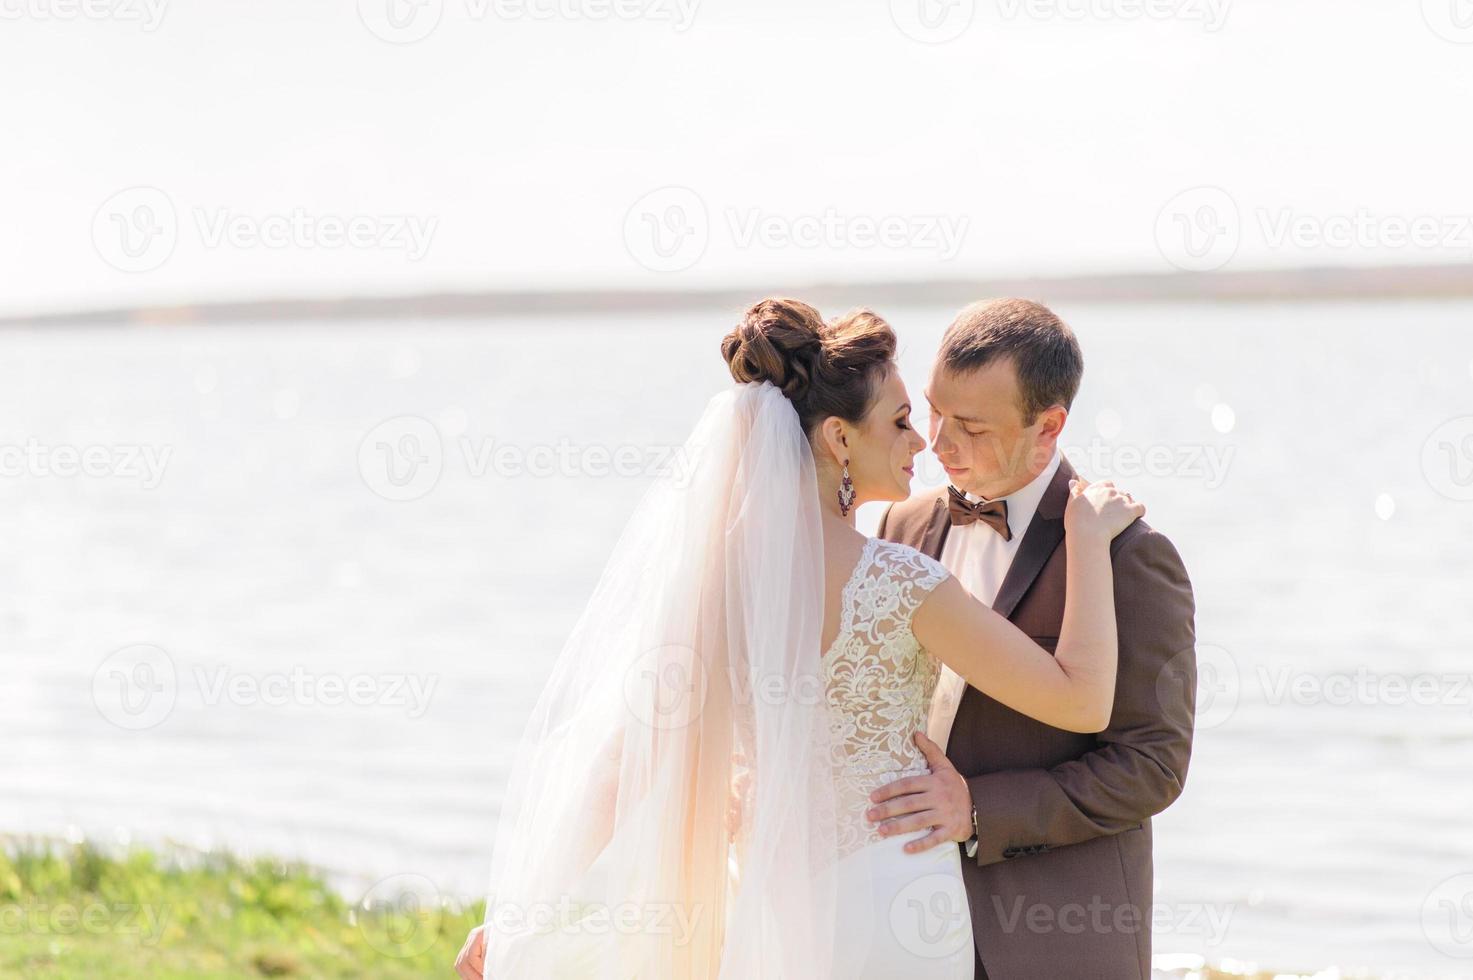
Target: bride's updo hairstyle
(824, 368)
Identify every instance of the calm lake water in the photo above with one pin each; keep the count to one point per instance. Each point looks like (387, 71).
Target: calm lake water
(221, 626)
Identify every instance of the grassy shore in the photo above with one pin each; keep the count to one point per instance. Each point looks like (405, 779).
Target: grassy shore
(79, 913)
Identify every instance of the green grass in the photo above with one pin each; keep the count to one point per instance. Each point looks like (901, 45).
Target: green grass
(77, 912)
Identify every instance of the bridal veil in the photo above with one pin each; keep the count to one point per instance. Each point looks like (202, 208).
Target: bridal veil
(689, 690)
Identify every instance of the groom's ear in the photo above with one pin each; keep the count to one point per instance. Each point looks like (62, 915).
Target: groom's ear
(1051, 421)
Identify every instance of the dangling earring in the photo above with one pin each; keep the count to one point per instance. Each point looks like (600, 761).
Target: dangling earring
(846, 492)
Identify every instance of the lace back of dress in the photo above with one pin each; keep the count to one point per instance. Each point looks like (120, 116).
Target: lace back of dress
(879, 678)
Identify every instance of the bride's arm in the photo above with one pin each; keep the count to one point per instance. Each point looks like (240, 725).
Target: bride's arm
(1075, 688)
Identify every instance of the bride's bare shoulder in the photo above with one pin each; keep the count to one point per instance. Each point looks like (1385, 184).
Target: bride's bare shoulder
(843, 547)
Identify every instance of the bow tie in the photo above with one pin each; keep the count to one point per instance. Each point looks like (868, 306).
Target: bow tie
(993, 513)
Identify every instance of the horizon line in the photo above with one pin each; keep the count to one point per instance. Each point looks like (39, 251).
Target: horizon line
(1296, 285)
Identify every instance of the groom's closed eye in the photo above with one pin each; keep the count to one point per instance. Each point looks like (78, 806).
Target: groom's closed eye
(937, 418)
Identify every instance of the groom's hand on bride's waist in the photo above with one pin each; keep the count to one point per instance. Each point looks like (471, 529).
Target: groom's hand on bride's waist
(939, 800)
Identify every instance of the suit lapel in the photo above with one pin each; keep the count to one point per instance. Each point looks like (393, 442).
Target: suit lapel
(1044, 533)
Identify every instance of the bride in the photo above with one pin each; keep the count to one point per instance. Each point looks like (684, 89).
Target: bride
(689, 801)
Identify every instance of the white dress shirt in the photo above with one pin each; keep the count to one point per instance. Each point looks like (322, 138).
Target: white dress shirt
(980, 558)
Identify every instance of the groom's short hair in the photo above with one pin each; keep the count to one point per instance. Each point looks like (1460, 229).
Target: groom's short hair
(1043, 350)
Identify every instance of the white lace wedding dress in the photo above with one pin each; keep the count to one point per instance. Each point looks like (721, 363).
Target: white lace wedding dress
(899, 914)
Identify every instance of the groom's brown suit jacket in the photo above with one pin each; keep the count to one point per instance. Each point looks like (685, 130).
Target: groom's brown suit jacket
(1061, 885)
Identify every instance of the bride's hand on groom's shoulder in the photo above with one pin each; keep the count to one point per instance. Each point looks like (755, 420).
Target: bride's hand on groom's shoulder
(471, 963)
(938, 800)
(1099, 510)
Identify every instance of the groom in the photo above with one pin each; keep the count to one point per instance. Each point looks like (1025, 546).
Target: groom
(1055, 826)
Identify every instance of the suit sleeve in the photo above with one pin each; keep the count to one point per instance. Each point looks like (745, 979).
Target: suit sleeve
(1139, 764)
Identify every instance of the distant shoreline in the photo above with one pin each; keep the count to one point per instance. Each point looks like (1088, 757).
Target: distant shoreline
(1288, 285)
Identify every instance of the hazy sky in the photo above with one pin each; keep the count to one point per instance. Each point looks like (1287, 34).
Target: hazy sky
(244, 148)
